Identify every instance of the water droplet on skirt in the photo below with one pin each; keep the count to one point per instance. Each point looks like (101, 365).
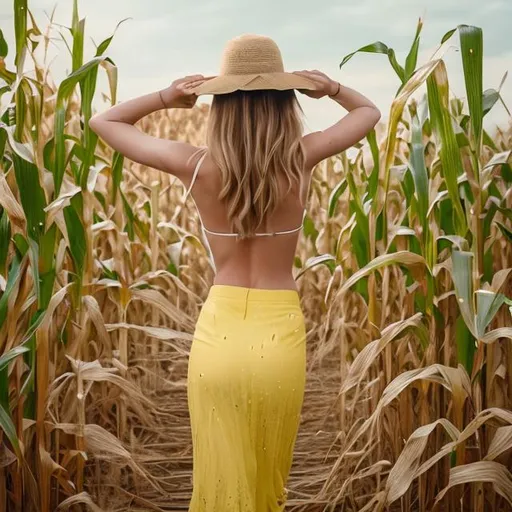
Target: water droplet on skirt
(273, 336)
(201, 374)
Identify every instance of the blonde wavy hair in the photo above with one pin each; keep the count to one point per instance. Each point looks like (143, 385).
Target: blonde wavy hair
(255, 137)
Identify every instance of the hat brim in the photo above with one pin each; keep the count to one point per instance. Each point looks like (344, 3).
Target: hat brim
(224, 84)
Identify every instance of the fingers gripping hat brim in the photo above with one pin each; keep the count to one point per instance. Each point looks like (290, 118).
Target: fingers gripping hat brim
(224, 84)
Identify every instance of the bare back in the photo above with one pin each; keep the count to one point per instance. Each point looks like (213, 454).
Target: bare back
(256, 262)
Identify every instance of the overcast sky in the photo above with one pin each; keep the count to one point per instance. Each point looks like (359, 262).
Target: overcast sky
(166, 39)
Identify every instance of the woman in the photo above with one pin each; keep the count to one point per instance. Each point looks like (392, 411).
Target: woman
(246, 372)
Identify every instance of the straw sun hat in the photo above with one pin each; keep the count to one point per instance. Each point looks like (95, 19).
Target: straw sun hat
(252, 62)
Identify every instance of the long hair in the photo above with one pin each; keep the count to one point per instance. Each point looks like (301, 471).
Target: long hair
(255, 137)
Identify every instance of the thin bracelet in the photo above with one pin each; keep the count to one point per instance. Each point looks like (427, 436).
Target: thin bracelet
(161, 99)
(336, 93)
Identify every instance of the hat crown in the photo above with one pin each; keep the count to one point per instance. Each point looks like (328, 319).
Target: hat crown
(251, 54)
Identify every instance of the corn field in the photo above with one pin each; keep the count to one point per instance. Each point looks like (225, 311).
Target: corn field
(404, 269)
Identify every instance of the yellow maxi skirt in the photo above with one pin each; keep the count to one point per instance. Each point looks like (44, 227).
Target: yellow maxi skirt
(246, 378)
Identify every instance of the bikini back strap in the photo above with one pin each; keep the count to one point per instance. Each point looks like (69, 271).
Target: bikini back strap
(196, 170)
(275, 233)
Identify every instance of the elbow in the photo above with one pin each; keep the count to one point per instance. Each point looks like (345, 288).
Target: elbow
(93, 123)
(376, 116)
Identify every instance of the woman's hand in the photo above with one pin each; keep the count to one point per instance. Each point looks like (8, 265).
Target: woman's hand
(179, 94)
(362, 117)
(325, 85)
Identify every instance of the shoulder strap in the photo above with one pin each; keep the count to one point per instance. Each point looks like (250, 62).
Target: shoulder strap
(196, 170)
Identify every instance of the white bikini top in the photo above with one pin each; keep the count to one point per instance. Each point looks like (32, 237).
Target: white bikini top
(220, 233)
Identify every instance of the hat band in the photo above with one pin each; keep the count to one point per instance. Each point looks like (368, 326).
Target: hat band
(251, 67)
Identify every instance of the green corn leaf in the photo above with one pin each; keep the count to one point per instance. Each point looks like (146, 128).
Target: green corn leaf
(21, 110)
(77, 240)
(20, 244)
(12, 354)
(117, 174)
(376, 47)
(5, 237)
(437, 87)
(4, 388)
(32, 195)
(327, 260)
(64, 93)
(4, 48)
(471, 45)
(379, 47)
(130, 218)
(448, 35)
(337, 191)
(360, 235)
(47, 271)
(487, 305)
(77, 32)
(9, 429)
(465, 342)
(20, 31)
(34, 91)
(12, 277)
(310, 230)
(103, 46)
(460, 242)
(462, 265)
(90, 139)
(397, 258)
(33, 254)
(412, 57)
(28, 339)
(419, 171)
(505, 230)
(373, 182)
(9, 77)
(395, 117)
(3, 143)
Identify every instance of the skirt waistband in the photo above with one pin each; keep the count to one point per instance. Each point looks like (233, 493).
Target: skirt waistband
(242, 293)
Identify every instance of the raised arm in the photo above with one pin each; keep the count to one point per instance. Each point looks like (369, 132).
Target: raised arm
(116, 127)
(362, 117)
